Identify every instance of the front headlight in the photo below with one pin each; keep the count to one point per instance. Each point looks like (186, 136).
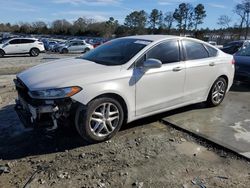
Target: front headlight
(55, 93)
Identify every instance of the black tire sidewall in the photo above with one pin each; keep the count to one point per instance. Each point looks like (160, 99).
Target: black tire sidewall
(83, 116)
(1, 53)
(210, 100)
(34, 49)
(64, 51)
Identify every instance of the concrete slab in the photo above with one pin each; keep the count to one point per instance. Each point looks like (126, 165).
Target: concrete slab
(227, 125)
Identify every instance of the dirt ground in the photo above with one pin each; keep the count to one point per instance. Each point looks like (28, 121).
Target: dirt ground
(145, 153)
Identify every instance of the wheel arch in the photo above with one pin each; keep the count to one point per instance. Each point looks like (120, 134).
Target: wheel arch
(221, 76)
(119, 98)
(34, 48)
(2, 50)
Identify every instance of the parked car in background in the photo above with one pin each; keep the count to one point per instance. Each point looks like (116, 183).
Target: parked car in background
(234, 46)
(242, 64)
(123, 80)
(79, 46)
(51, 45)
(215, 44)
(21, 46)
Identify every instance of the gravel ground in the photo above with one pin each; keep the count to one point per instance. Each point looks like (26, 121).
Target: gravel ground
(145, 153)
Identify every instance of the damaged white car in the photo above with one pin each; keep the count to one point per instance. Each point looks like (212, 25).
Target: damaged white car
(121, 81)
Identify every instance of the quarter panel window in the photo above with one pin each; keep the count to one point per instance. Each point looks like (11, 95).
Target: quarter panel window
(167, 52)
(212, 52)
(195, 50)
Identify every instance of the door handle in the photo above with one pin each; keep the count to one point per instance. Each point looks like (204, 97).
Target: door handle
(212, 64)
(177, 69)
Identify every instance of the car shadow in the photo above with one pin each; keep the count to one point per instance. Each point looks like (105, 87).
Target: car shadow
(17, 142)
(240, 86)
(15, 56)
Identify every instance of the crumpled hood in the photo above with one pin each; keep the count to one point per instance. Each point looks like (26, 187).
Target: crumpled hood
(66, 72)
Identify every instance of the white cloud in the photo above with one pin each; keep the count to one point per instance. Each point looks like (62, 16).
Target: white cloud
(88, 2)
(215, 5)
(171, 2)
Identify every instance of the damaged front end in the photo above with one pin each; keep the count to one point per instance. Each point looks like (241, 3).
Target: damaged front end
(41, 113)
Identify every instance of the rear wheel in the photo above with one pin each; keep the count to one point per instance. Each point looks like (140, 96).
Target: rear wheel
(1, 53)
(217, 92)
(34, 52)
(64, 51)
(86, 50)
(99, 120)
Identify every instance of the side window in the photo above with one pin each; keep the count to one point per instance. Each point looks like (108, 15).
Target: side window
(167, 52)
(212, 52)
(194, 50)
(26, 41)
(15, 41)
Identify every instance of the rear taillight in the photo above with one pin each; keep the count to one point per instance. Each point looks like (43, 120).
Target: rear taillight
(40, 43)
(233, 62)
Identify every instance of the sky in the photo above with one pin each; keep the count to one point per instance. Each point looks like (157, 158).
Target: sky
(15, 11)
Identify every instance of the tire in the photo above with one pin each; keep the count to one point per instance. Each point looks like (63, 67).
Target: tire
(86, 50)
(95, 124)
(65, 51)
(1, 53)
(217, 92)
(34, 52)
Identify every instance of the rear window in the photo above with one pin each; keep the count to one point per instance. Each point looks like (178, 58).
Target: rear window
(194, 50)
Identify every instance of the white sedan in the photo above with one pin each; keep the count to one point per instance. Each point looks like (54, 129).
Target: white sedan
(121, 81)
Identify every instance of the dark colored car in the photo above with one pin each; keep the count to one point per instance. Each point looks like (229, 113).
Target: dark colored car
(233, 47)
(242, 64)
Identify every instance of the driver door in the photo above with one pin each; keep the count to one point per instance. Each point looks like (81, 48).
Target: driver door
(160, 88)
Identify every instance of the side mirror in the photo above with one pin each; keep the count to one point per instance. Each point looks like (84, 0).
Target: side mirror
(152, 63)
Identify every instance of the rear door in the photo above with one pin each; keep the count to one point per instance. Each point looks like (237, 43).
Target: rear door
(201, 69)
(25, 45)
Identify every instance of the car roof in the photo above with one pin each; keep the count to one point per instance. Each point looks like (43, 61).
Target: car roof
(152, 37)
(23, 38)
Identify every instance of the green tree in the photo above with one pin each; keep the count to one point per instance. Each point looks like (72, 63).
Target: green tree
(110, 27)
(155, 19)
(136, 22)
(184, 17)
(199, 15)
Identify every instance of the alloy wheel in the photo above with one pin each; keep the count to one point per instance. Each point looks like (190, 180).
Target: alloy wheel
(104, 119)
(218, 92)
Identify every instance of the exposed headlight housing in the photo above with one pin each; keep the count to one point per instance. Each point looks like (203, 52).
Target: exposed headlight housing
(56, 93)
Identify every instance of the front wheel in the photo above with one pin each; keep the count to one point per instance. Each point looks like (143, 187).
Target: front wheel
(1, 53)
(34, 52)
(217, 92)
(100, 120)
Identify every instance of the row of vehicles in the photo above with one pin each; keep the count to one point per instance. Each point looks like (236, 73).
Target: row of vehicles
(33, 46)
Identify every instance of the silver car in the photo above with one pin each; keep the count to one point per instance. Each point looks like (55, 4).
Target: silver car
(121, 81)
(79, 46)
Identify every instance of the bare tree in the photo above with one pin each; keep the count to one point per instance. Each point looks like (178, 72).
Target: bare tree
(168, 20)
(224, 21)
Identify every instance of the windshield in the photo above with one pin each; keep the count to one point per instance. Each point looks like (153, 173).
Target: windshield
(116, 52)
(3, 40)
(244, 51)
